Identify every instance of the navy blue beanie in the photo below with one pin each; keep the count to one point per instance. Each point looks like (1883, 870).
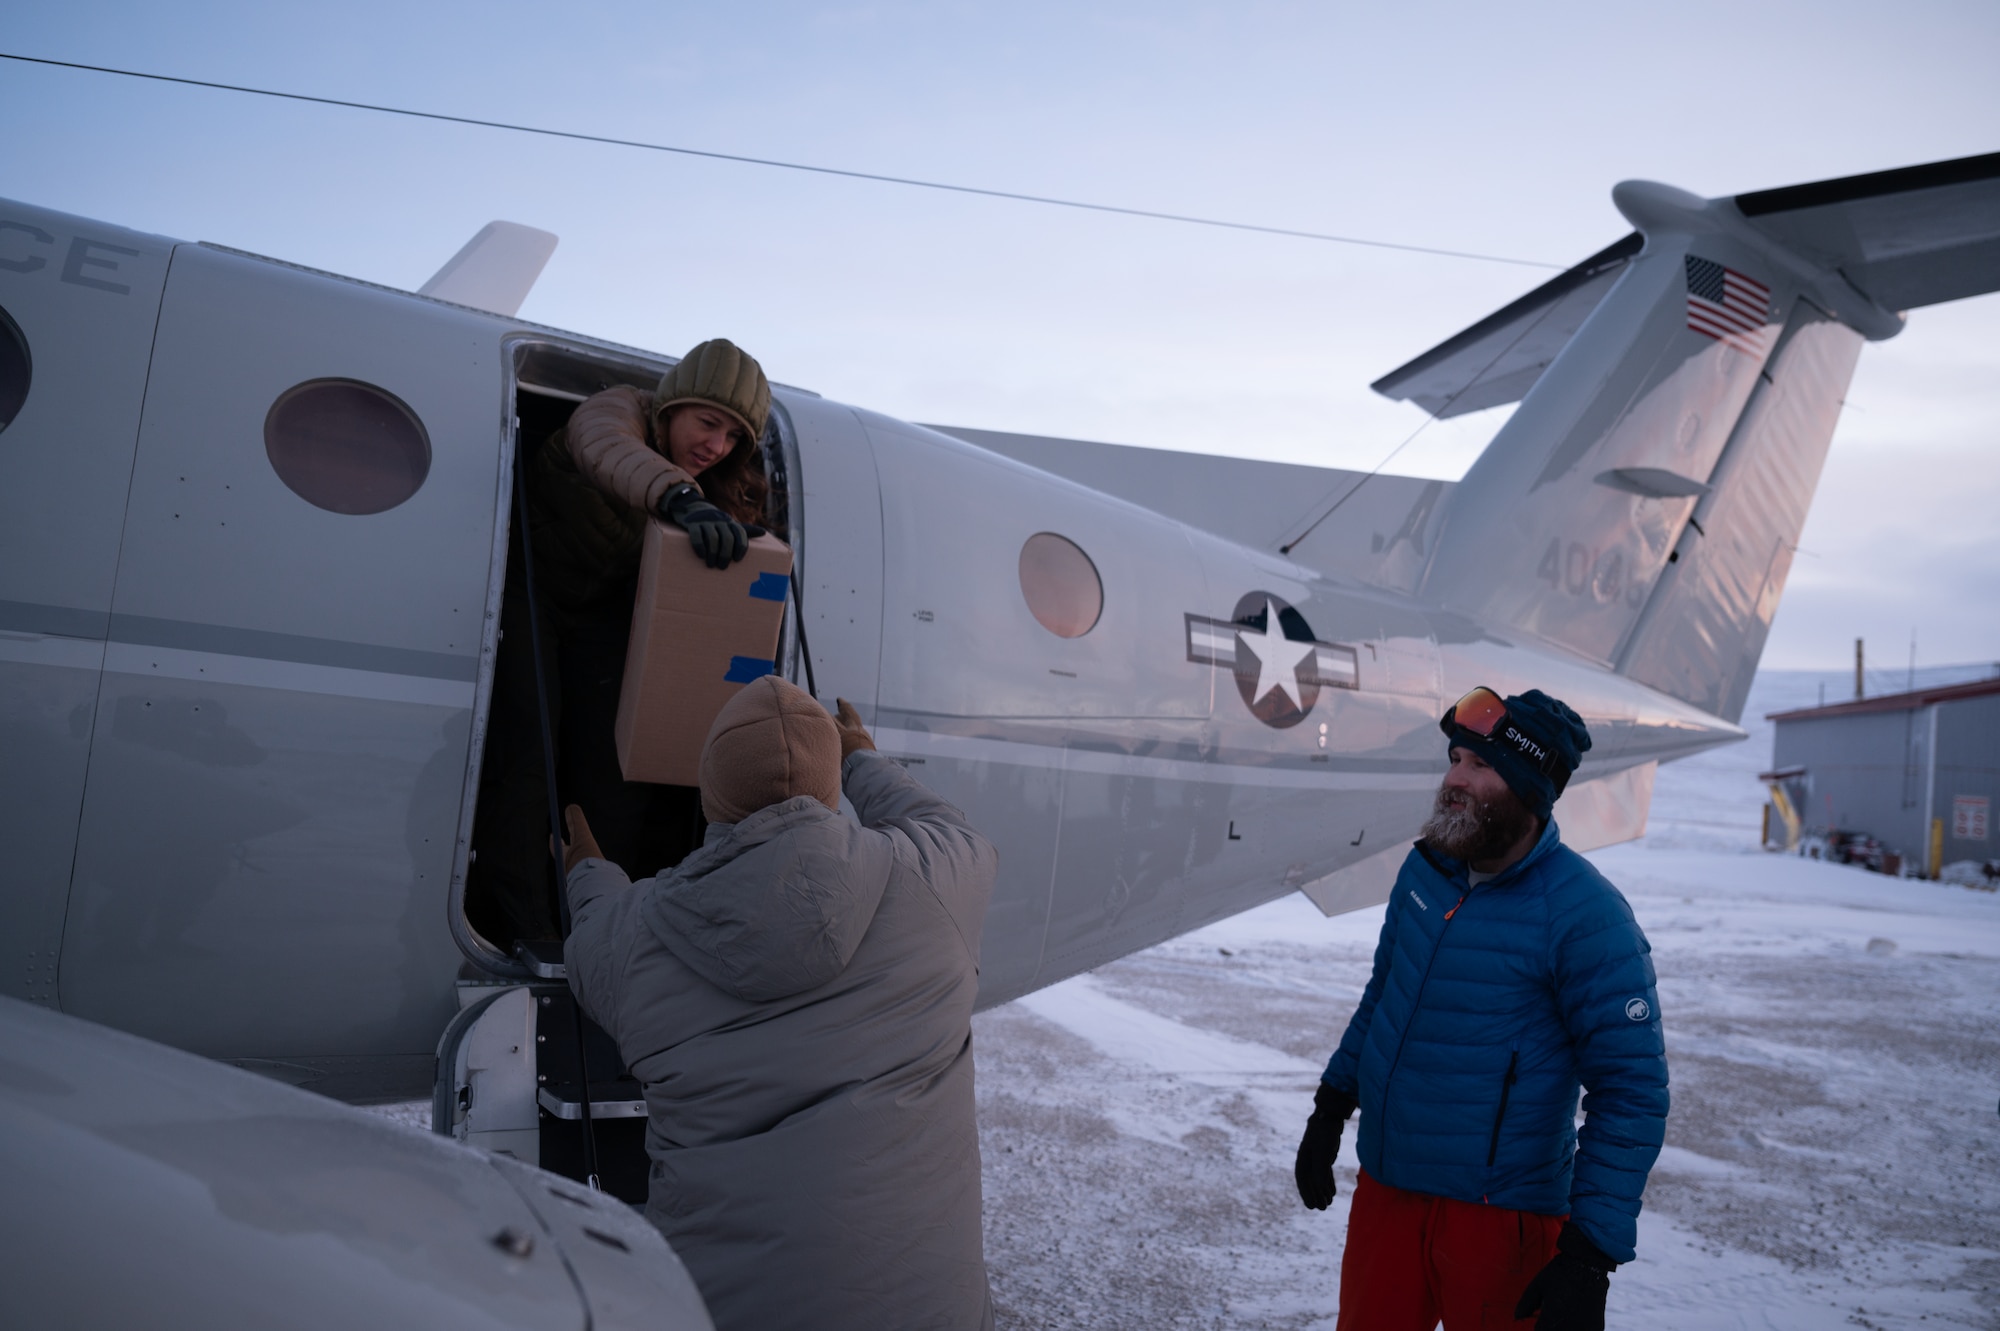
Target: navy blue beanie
(1536, 725)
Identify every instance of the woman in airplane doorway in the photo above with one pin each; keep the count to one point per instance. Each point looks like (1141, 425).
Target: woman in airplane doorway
(688, 453)
(626, 455)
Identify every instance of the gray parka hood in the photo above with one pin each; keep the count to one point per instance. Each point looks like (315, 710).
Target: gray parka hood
(774, 905)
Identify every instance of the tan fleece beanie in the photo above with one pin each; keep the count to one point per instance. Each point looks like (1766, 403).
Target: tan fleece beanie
(721, 374)
(769, 743)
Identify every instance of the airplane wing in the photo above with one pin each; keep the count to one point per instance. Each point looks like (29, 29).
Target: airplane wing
(1382, 542)
(151, 1187)
(1915, 236)
(1250, 502)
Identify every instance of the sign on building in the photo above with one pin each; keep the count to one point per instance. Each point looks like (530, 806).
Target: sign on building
(1968, 817)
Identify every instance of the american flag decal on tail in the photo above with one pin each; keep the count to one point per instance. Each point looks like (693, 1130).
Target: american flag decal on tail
(1724, 304)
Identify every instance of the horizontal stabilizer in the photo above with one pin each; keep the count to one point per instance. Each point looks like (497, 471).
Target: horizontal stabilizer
(1600, 812)
(1498, 359)
(1359, 886)
(1914, 236)
(1905, 238)
(1607, 809)
(496, 270)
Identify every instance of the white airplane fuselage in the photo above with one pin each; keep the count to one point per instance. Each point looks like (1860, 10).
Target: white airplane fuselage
(243, 731)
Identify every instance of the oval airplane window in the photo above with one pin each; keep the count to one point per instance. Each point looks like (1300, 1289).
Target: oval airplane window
(14, 369)
(346, 446)
(1061, 585)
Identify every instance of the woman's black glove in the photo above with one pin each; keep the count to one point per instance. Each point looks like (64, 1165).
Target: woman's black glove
(719, 539)
(1569, 1292)
(1313, 1170)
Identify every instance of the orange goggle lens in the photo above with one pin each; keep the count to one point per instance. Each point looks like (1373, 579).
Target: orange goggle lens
(1478, 711)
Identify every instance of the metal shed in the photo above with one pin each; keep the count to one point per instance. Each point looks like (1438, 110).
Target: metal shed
(1920, 771)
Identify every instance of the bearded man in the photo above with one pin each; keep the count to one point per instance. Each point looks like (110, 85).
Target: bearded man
(1509, 974)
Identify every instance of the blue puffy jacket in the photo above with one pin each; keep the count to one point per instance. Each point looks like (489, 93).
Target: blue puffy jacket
(1487, 1008)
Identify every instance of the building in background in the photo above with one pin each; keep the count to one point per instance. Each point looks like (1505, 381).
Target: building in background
(1906, 781)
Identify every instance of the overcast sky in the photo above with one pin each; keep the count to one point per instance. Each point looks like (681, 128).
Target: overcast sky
(1499, 129)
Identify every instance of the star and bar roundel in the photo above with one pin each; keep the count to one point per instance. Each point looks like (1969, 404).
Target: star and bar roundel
(1279, 665)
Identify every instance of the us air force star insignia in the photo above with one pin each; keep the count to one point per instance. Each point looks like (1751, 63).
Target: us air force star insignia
(1278, 659)
(1280, 666)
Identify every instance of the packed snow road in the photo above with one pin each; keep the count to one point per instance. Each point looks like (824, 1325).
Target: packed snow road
(1833, 1153)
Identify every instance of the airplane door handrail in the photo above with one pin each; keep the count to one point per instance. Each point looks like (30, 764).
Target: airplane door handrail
(555, 810)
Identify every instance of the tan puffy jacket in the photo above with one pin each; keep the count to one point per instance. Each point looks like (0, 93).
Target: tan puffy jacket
(591, 486)
(611, 444)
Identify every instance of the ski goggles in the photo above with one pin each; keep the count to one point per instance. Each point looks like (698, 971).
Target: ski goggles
(1483, 713)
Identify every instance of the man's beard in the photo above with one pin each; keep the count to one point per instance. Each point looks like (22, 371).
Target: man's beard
(1474, 830)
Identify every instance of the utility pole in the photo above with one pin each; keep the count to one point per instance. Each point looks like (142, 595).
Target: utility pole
(1859, 692)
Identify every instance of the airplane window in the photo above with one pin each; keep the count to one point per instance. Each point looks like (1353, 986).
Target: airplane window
(13, 369)
(346, 446)
(1061, 585)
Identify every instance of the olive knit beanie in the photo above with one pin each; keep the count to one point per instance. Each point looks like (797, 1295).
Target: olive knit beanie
(721, 374)
(770, 743)
(1535, 749)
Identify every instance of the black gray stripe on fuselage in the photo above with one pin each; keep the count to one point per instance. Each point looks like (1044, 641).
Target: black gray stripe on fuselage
(1348, 774)
(256, 658)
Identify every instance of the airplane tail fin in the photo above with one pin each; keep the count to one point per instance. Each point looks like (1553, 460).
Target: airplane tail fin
(1678, 392)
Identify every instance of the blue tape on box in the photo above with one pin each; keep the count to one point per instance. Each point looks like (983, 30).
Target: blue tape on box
(770, 586)
(743, 669)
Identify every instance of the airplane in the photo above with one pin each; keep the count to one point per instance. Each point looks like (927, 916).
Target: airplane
(256, 519)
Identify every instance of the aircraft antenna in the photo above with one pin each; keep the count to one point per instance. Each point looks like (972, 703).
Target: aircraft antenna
(911, 182)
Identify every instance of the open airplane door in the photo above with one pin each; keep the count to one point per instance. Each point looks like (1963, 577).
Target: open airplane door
(295, 634)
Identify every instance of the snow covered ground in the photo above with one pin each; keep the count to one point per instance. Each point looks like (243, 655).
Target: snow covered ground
(1833, 1154)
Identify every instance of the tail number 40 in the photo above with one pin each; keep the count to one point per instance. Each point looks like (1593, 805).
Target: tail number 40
(1579, 570)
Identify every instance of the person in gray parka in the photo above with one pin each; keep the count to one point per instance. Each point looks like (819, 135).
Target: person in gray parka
(796, 999)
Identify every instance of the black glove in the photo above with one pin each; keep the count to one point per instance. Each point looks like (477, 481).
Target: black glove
(1313, 1170)
(1569, 1292)
(719, 539)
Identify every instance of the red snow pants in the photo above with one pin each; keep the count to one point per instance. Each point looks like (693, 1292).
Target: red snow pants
(1413, 1259)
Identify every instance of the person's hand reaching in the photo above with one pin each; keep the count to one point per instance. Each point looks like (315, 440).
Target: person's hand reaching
(853, 735)
(579, 845)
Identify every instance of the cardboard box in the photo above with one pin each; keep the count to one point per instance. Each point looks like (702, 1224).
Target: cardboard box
(698, 635)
